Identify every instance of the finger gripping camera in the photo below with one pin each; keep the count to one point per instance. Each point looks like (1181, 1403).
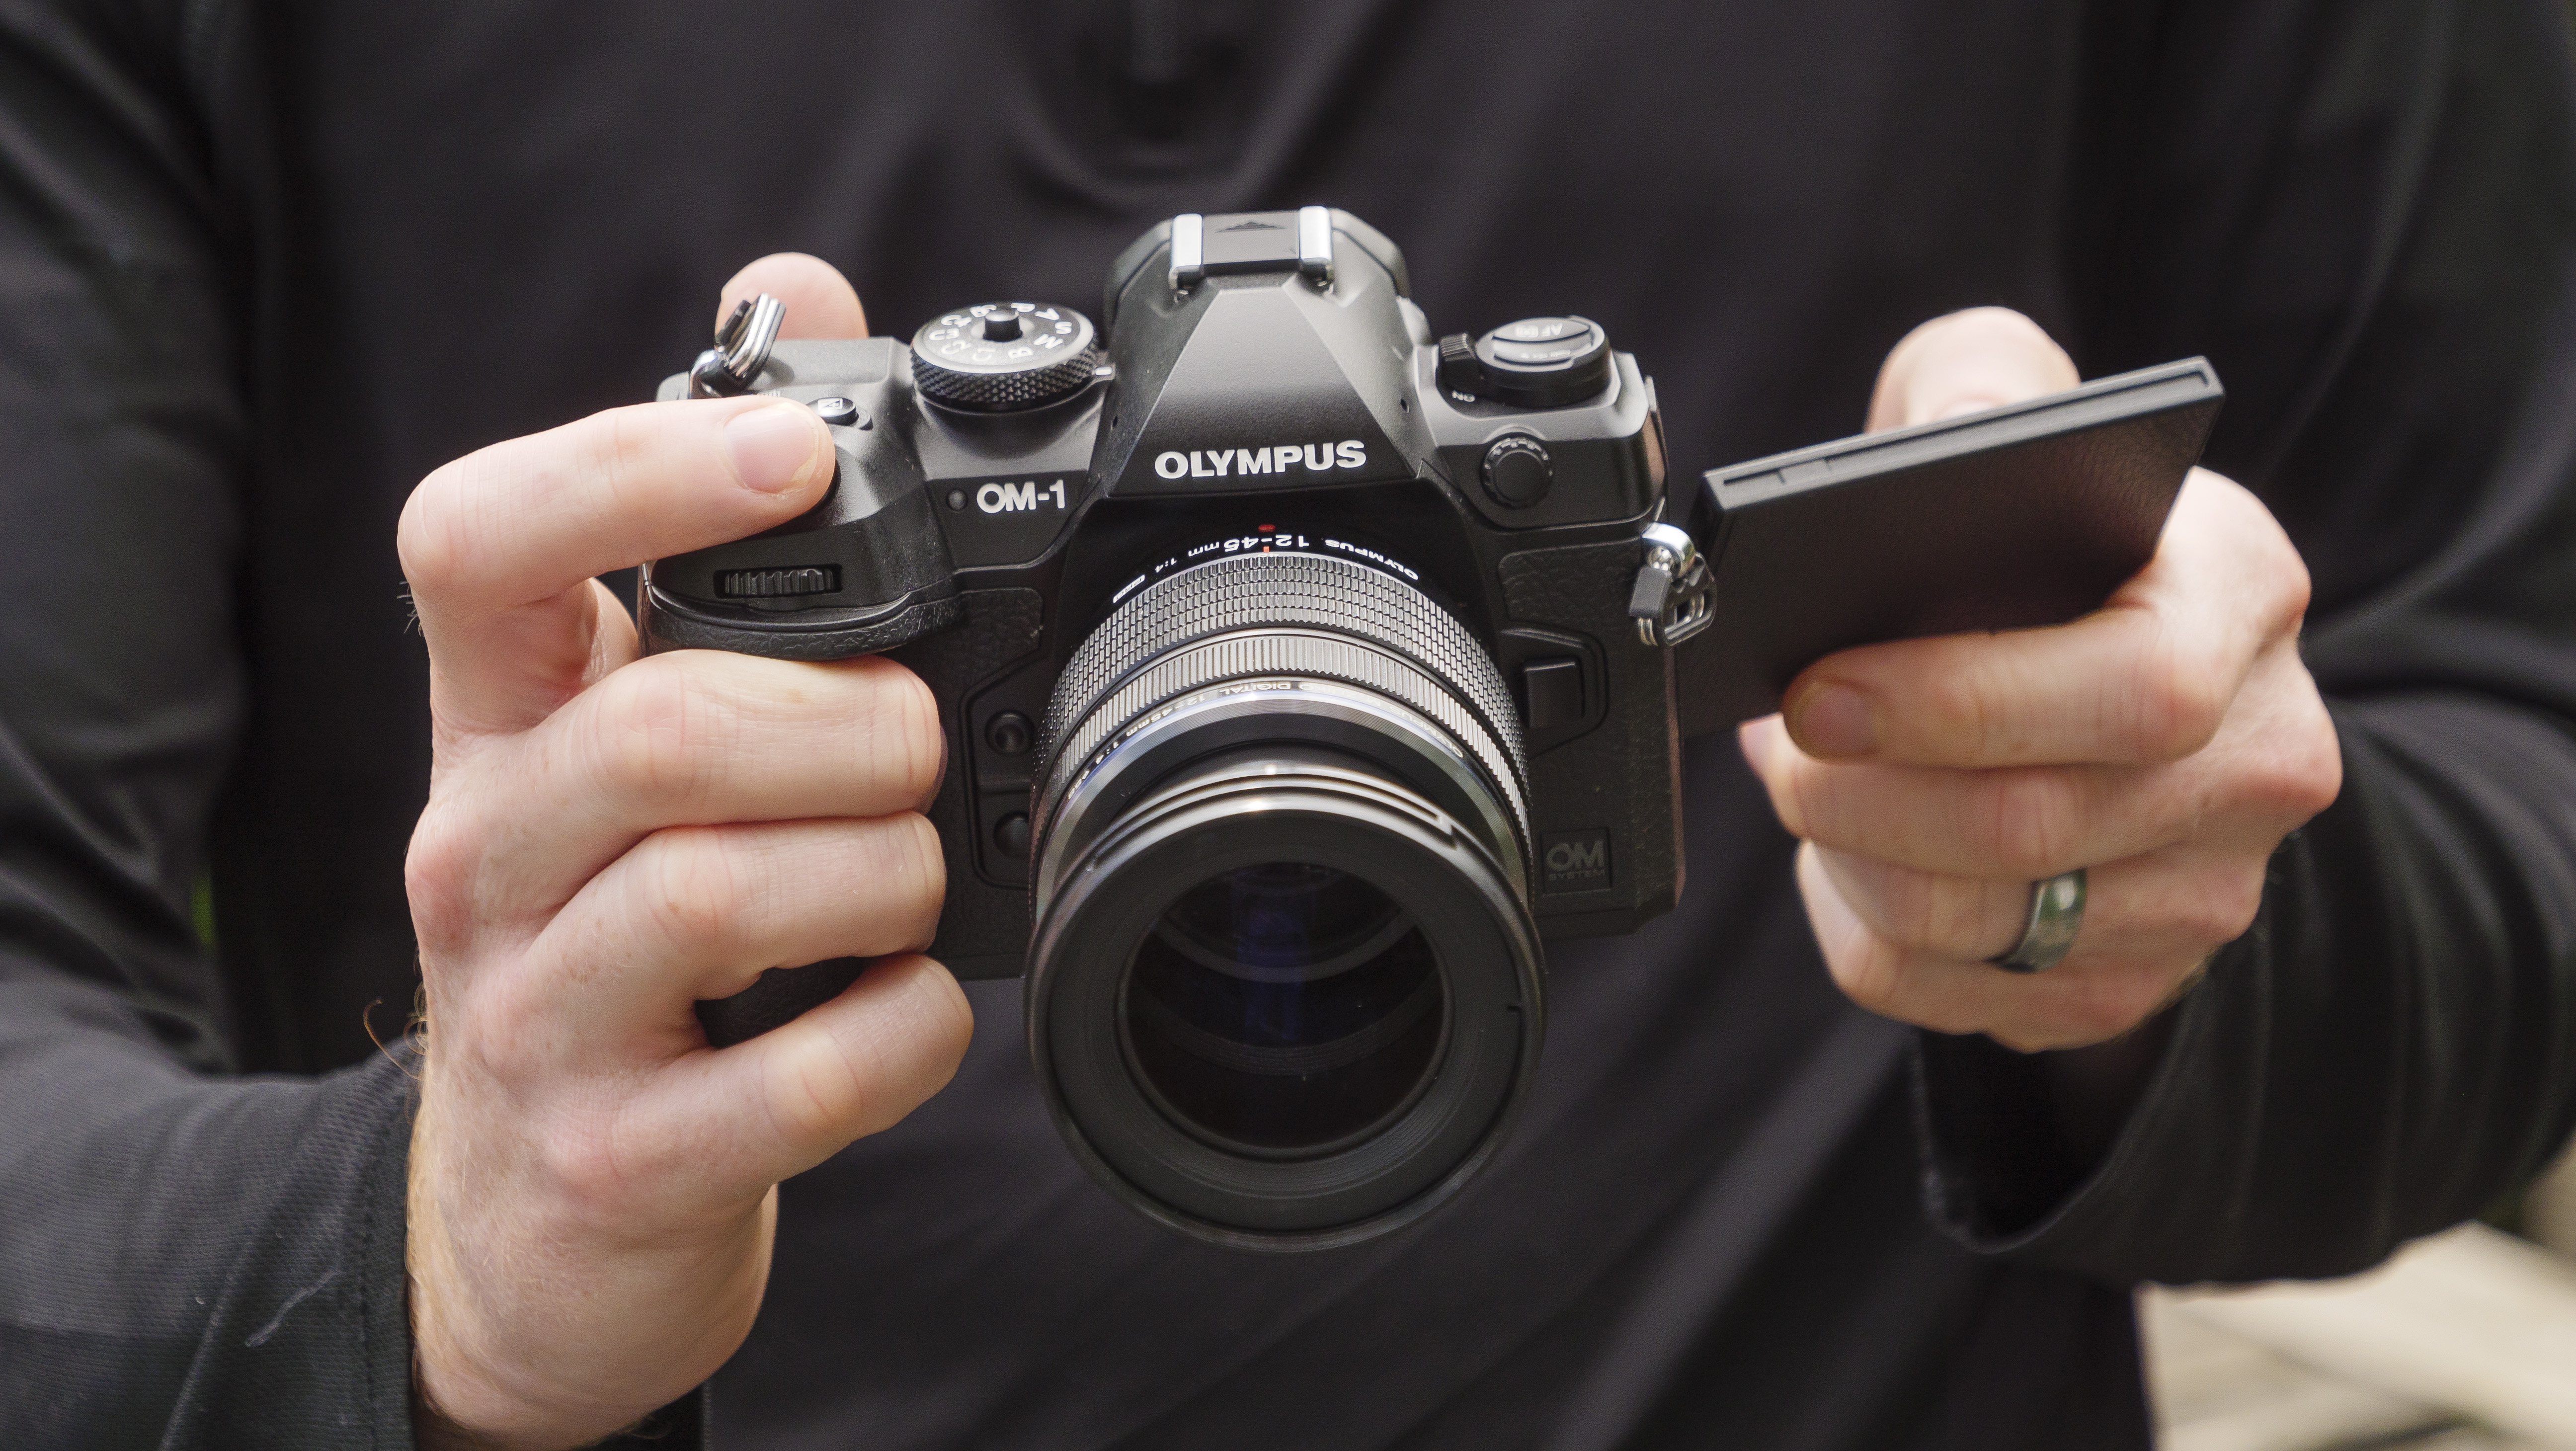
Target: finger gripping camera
(1304, 673)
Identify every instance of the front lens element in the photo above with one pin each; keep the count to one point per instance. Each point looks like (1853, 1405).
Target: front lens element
(1283, 922)
(1283, 1007)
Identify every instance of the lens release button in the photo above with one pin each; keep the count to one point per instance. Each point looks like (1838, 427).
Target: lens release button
(1518, 471)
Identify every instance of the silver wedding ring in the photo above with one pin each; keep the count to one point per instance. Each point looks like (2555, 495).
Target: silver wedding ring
(2056, 915)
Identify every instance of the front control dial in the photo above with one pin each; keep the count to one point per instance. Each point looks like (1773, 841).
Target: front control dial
(999, 357)
(1545, 362)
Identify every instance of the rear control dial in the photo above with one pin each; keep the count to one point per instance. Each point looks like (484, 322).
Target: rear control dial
(1545, 362)
(998, 357)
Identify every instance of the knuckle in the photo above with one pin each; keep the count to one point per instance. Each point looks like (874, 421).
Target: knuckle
(2035, 824)
(656, 729)
(818, 1089)
(1787, 785)
(2292, 587)
(1806, 794)
(438, 875)
(2181, 702)
(427, 538)
(613, 452)
(2302, 775)
(906, 877)
(1871, 973)
(1910, 906)
(916, 863)
(901, 745)
(1929, 914)
(2218, 906)
(1959, 704)
(2316, 770)
(690, 892)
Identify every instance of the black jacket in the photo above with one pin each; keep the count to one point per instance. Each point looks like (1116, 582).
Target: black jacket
(263, 263)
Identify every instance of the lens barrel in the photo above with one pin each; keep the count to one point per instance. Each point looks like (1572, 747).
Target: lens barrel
(1284, 987)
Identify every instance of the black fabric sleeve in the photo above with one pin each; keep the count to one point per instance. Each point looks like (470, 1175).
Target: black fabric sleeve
(2365, 213)
(188, 1257)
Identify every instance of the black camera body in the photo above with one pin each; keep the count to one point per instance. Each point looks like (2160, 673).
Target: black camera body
(1258, 408)
(1303, 671)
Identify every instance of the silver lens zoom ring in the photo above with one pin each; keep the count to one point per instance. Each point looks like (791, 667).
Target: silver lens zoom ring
(1315, 592)
(1293, 654)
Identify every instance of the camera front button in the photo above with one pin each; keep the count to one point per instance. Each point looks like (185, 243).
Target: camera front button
(1010, 734)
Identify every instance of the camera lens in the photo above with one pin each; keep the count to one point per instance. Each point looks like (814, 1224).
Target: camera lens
(1283, 990)
(1283, 1007)
(1282, 923)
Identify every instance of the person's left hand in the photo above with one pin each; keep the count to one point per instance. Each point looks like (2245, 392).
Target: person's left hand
(2166, 743)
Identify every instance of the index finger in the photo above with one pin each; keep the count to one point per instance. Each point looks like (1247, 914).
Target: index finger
(500, 545)
(2147, 678)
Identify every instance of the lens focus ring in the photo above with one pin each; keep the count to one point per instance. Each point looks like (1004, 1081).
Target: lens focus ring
(1272, 591)
(1290, 653)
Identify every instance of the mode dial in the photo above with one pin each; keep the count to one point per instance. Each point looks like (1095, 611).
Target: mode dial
(1545, 362)
(996, 357)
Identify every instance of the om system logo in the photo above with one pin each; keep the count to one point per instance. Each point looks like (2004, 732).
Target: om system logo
(1278, 458)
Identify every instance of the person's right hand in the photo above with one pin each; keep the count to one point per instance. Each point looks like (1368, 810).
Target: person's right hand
(607, 840)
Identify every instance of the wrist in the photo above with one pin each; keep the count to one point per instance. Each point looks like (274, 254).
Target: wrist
(536, 1329)
(463, 1395)
(2092, 1091)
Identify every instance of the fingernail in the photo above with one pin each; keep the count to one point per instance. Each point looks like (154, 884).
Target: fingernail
(1834, 720)
(775, 448)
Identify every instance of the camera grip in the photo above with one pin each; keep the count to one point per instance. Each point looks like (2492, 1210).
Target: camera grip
(2014, 517)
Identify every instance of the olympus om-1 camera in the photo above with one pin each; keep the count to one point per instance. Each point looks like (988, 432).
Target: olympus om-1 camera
(1304, 672)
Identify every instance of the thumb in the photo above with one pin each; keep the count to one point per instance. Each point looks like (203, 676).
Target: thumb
(820, 302)
(1982, 358)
